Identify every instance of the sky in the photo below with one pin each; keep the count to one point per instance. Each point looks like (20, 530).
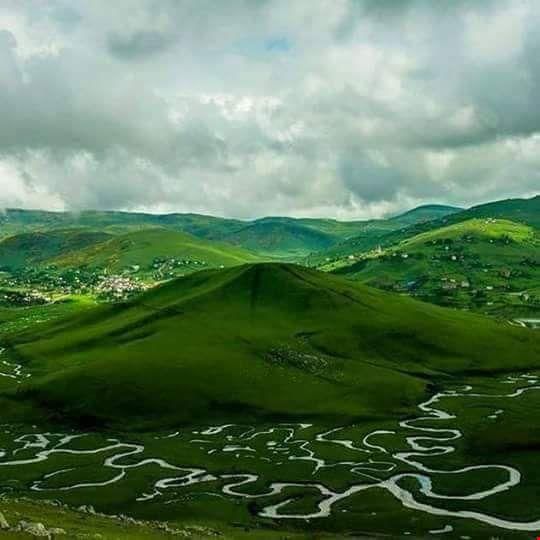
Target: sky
(348, 109)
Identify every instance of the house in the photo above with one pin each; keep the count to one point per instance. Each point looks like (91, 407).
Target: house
(449, 286)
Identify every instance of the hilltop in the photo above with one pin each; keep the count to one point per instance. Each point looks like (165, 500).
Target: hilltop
(424, 213)
(525, 211)
(252, 342)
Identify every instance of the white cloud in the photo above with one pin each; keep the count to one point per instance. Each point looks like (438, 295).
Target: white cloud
(499, 35)
(342, 108)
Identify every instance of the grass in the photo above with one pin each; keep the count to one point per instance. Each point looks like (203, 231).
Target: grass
(34, 248)
(486, 265)
(142, 247)
(259, 345)
(397, 230)
(276, 237)
(15, 320)
(78, 524)
(370, 513)
(241, 343)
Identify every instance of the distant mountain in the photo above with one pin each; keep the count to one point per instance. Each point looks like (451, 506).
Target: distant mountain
(291, 237)
(276, 236)
(254, 342)
(279, 237)
(15, 220)
(420, 214)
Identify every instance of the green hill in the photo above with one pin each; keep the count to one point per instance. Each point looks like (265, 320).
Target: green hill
(142, 248)
(24, 220)
(253, 342)
(36, 248)
(281, 237)
(524, 211)
(289, 237)
(489, 264)
(426, 212)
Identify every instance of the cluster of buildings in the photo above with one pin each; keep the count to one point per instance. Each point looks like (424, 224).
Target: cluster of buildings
(23, 298)
(119, 287)
(163, 268)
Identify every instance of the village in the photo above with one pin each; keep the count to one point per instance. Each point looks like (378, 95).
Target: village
(462, 271)
(37, 286)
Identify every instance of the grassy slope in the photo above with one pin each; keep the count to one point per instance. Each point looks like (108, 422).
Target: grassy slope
(298, 237)
(277, 236)
(83, 525)
(38, 247)
(420, 214)
(480, 228)
(281, 238)
(141, 247)
(524, 211)
(485, 253)
(257, 341)
(382, 232)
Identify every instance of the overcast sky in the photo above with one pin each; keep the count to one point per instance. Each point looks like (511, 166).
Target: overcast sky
(244, 108)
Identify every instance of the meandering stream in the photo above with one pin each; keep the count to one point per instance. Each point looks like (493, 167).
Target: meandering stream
(377, 464)
(12, 370)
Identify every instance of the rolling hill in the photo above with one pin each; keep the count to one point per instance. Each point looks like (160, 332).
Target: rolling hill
(141, 248)
(294, 238)
(35, 248)
(254, 342)
(424, 213)
(489, 264)
(279, 237)
(524, 211)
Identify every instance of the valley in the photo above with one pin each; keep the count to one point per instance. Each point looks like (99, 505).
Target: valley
(300, 476)
(155, 381)
(269, 270)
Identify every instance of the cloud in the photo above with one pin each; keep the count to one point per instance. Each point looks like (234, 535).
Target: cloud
(344, 108)
(138, 44)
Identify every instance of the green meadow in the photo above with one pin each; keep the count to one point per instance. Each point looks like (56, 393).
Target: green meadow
(259, 399)
(236, 401)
